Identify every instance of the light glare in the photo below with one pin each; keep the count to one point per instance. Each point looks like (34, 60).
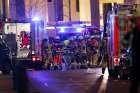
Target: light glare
(79, 30)
(62, 30)
(36, 19)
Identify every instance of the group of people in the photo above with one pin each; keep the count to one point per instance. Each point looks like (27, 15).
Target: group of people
(72, 52)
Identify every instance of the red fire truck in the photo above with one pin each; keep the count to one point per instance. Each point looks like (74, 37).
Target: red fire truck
(21, 37)
(118, 24)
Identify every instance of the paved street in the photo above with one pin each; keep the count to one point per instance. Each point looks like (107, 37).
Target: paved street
(6, 84)
(76, 81)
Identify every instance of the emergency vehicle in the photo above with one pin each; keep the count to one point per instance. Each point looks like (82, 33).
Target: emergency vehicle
(25, 46)
(118, 24)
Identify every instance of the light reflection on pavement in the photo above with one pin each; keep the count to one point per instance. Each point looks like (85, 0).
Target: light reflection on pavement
(75, 81)
(104, 82)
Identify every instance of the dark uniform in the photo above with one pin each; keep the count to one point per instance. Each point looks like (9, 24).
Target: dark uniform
(135, 33)
(135, 59)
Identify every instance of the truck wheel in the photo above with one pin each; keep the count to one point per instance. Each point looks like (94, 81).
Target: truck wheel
(113, 73)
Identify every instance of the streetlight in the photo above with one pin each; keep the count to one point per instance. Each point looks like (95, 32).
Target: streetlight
(36, 19)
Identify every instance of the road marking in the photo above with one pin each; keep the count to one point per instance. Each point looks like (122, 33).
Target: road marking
(89, 70)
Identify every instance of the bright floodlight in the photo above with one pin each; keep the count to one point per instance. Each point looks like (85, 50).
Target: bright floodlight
(36, 19)
(62, 30)
(79, 30)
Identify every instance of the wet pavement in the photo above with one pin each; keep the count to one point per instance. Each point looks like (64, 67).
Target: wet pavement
(75, 81)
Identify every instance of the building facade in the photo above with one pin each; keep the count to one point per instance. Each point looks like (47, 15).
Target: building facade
(20, 9)
(76, 10)
(54, 10)
(4, 9)
(64, 10)
(12, 9)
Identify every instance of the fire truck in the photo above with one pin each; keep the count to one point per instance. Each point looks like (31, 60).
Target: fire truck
(118, 24)
(24, 41)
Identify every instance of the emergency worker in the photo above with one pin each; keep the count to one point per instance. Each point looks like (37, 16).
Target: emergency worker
(135, 36)
(135, 56)
(46, 53)
(104, 53)
(44, 47)
(93, 48)
(88, 52)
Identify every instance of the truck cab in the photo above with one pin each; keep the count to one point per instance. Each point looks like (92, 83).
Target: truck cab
(5, 61)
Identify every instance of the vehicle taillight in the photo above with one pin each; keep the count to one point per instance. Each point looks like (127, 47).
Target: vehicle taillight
(33, 59)
(37, 58)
